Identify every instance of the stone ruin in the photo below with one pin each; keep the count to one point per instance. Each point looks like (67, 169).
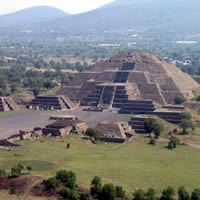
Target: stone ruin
(135, 82)
(119, 132)
(50, 103)
(63, 125)
(7, 104)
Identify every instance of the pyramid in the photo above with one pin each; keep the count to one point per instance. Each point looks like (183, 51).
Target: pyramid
(130, 76)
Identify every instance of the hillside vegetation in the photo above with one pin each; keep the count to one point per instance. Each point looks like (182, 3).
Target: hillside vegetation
(133, 165)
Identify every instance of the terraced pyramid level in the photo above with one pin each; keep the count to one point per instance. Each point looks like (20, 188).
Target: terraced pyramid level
(129, 76)
(7, 104)
(50, 103)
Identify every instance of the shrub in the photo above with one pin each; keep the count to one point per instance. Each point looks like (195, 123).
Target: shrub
(175, 130)
(68, 194)
(120, 192)
(195, 194)
(152, 141)
(168, 193)
(93, 133)
(139, 195)
(108, 192)
(96, 186)
(183, 194)
(179, 100)
(51, 183)
(68, 178)
(151, 194)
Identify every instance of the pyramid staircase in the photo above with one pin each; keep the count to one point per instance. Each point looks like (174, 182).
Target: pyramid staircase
(7, 104)
(113, 95)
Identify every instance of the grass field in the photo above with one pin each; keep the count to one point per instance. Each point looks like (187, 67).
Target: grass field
(3, 114)
(134, 165)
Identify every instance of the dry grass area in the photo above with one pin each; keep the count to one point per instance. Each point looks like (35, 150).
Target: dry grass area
(69, 59)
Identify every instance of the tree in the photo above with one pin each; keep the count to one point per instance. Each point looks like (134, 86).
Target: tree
(29, 168)
(139, 195)
(120, 192)
(93, 133)
(14, 87)
(186, 115)
(174, 141)
(179, 100)
(152, 141)
(185, 124)
(151, 194)
(158, 128)
(168, 193)
(96, 186)
(51, 183)
(68, 178)
(195, 194)
(36, 91)
(108, 192)
(183, 194)
(149, 125)
(69, 194)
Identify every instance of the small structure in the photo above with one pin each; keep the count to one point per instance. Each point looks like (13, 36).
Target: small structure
(63, 117)
(118, 132)
(64, 127)
(50, 103)
(7, 104)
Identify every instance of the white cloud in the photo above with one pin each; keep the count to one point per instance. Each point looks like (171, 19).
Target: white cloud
(71, 6)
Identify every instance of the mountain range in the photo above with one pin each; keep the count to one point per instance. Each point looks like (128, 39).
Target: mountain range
(173, 16)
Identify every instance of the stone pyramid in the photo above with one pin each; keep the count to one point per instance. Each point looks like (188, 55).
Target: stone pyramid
(130, 75)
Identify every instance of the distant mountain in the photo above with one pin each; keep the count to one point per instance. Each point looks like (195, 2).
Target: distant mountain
(164, 15)
(32, 15)
(151, 15)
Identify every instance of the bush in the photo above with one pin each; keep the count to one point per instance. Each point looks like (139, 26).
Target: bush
(175, 130)
(179, 100)
(68, 194)
(195, 194)
(120, 192)
(168, 193)
(151, 194)
(68, 178)
(108, 192)
(186, 115)
(93, 133)
(198, 98)
(183, 194)
(185, 124)
(153, 141)
(139, 195)
(51, 183)
(96, 186)
(174, 141)
(16, 171)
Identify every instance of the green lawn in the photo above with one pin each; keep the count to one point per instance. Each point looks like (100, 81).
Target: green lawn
(134, 165)
(3, 114)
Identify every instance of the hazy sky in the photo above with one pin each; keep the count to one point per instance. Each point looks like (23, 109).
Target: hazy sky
(71, 6)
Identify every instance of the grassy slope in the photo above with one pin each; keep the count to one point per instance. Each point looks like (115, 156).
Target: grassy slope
(135, 165)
